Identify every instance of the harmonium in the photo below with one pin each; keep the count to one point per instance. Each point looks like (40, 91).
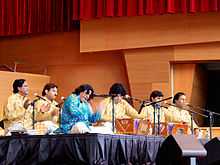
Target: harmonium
(145, 127)
(126, 126)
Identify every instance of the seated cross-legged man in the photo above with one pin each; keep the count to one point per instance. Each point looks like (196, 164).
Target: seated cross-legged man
(123, 110)
(46, 110)
(17, 111)
(77, 112)
(151, 112)
(178, 113)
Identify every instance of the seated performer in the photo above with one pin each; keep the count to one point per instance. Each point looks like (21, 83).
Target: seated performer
(46, 110)
(122, 108)
(178, 112)
(17, 112)
(148, 111)
(77, 113)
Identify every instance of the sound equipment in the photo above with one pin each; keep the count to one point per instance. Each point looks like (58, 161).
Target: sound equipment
(180, 150)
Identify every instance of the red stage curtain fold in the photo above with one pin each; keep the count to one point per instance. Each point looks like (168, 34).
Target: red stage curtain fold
(119, 8)
(99, 10)
(20, 17)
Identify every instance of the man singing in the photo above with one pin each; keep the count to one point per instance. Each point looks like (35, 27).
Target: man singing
(17, 112)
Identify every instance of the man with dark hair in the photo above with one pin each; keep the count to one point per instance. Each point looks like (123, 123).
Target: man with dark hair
(77, 113)
(17, 112)
(178, 112)
(148, 111)
(122, 108)
(46, 110)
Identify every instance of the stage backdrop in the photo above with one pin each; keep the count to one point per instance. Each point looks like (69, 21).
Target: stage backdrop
(35, 82)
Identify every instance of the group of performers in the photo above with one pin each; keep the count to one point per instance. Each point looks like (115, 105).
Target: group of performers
(77, 114)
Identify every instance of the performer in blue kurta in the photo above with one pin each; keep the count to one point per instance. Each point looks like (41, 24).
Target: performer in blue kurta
(77, 112)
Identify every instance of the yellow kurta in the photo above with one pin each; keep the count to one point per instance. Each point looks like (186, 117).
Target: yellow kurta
(148, 112)
(122, 110)
(179, 115)
(48, 115)
(15, 113)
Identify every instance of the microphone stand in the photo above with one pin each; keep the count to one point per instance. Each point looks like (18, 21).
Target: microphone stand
(158, 118)
(60, 106)
(33, 112)
(192, 129)
(154, 129)
(211, 119)
(33, 106)
(156, 108)
(113, 108)
(141, 107)
(113, 114)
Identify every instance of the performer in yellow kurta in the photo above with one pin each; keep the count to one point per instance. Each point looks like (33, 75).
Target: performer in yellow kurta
(148, 111)
(178, 112)
(122, 108)
(46, 110)
(18, 112)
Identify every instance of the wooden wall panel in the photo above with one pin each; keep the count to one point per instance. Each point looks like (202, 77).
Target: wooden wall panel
(101, 77)
(200, 90)
(183, 79)
(35, 82)
(192, 80)
(164, 87)
(148, 31)
(57, 55)
(197, 52)
(148, 69)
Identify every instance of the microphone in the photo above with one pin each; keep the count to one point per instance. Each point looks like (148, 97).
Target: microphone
(63, 98)
(61, 103)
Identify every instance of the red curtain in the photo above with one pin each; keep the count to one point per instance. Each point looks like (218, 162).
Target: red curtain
(19, 17)
(88, 9)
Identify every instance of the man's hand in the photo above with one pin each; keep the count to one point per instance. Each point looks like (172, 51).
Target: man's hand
(45, 108)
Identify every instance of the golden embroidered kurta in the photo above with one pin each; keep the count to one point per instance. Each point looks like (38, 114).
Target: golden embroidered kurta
(51, 115)
(148, 112)
(15, 113)
(122, 110)
(176, 114)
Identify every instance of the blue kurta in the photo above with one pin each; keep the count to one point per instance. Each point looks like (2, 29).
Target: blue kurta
(76, 111)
